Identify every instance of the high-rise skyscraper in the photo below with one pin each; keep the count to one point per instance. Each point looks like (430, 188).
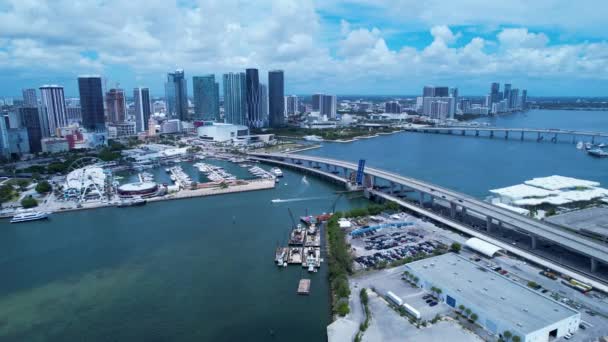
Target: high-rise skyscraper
(116, 105)
(428, 91)
(276, 98)
(254, 106)
(513, 99)
(53, 105)
(316, 102)
(495, 93)
(264, 104)
(30, 119)
(176, 95)
(142, 109)
(507, 94)
(392, 107)
(206, 97)
(235, 98)
(442, 92)
(329, 106)
(524, 99)
(291, 105)
(91, 103)
(29, 98)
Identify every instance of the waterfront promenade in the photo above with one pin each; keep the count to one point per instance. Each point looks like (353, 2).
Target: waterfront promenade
(53, 205)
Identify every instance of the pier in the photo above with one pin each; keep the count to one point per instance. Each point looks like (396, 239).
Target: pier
(455, 210)
(521, 134)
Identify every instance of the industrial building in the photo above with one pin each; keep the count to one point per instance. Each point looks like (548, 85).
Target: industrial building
(500, 303)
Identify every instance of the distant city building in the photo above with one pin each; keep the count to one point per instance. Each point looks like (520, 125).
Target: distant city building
(176, 95)
(53, 105)
(116, 105)
(276, 98)
(235, 98)
(29, 98)
(291, 105)
(440, 108)
(141, 97)
(264, 104)
(122, 129)
(152, 129)
(206, 98)
(316, 102)
(221, 132)
(30, 119)
(442, 92)
(494, 93)
(171, 126)
(392, 107)
(507, 94)
(428, 91)
(328, 106)
(91, 103)
(254, 105)
(524, 99)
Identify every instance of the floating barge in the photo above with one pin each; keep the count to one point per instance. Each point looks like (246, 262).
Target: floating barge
(281, 256)
(297, 236)
(313, 238)
(311, 258)
(294, 255)
(304, 287)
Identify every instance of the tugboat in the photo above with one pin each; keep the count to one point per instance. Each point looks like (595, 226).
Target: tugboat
(30, 215)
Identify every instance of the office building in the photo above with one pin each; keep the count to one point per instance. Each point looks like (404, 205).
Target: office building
(235, 98)
(54, 145)
(74, 114)
(291, 105)
(316, 102)
(121, 129)
(392, 107)
(440, 108)
(30, 120)
(507, 94)
(176, 95)
(513, 99)
(141, 97)
(454, 94)
(276, 98)
(328, 106)
(171, 126)
(53, 106)
(442, 92)
(264, 104)
(428, 91)
(206, 98)
(91, 103)
(254, 105)
(524, 99)
(29, 98)
(116, 105)
(494, 93)
(500, 303)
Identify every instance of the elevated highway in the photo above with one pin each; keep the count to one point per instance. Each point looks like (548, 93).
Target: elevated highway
(538, 133)
(459, 204)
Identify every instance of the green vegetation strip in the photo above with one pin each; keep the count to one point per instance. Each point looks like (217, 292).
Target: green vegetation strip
(363, 326)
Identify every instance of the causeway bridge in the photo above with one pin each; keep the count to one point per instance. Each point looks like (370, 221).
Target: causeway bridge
(539, 134)
(467, 214)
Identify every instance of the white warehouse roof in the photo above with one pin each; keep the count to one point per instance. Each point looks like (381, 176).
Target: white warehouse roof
(482, 246)
(560, 182)
(521, 191)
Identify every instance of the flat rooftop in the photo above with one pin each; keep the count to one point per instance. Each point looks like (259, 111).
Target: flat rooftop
(501, 298)
(590, 220)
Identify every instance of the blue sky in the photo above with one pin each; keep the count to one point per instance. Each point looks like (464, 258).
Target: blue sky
(550, 47)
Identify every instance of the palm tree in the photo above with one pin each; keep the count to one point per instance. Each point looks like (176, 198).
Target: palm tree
(461, 308)
(468, 311)
(507, 335)
(516, 339)
(474, 317)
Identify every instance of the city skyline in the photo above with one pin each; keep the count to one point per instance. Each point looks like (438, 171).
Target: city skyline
(360, 47)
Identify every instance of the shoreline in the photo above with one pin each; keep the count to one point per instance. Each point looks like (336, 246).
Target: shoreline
(252, 185)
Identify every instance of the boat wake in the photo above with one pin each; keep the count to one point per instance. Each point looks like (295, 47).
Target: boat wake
(304, 180)
(301, 199)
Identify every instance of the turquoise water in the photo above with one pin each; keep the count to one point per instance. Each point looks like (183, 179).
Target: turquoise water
(476, 165)
(186, 270)
(202, 269)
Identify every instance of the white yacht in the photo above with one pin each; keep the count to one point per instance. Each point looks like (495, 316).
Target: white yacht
(277, 172)
(29, 216)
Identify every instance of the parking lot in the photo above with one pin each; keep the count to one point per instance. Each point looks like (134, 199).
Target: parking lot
(384, 239)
